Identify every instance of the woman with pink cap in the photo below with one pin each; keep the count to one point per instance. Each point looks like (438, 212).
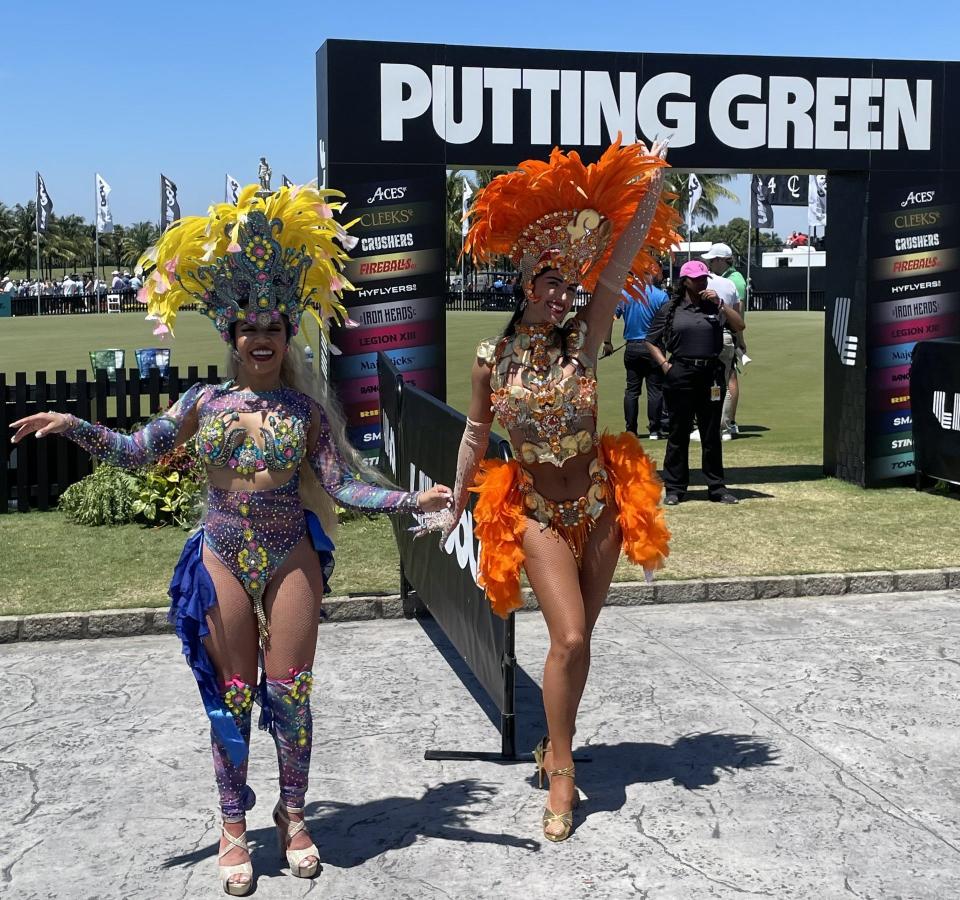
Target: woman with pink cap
(690, 329)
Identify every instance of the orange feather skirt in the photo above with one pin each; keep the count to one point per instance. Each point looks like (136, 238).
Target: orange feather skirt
(500, 518)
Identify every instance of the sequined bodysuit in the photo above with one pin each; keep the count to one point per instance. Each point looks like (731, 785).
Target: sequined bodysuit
(551, 417)
(250, 531)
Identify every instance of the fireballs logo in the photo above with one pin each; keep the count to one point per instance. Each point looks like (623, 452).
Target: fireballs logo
(846, 344)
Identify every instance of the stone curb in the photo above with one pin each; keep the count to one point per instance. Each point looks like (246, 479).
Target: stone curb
(129, 622)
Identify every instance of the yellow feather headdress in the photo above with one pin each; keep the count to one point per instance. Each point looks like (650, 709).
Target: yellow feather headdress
(263, 258)
(568, 216)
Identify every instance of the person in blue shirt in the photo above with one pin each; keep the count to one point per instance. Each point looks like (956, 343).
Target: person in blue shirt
(637, 316)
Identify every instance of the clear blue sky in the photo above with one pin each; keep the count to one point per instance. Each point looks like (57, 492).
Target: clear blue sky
(197, 89)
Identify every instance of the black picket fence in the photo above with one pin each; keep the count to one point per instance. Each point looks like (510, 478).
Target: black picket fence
(80, 304)
(787, 301)
(34, 473)
(771, 301)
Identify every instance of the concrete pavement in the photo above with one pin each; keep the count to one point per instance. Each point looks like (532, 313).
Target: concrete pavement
(786, 748)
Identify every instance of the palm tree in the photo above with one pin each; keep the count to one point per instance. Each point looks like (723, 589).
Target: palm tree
(478, 178)
(713, 190)
(136, 240)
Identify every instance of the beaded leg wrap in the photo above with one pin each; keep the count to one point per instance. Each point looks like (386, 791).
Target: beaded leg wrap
(235, 797)
(292, 729)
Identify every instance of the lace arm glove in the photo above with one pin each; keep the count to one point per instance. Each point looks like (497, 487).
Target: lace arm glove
(347, 487)
(615, 272)
(131, 451)
(473, 448)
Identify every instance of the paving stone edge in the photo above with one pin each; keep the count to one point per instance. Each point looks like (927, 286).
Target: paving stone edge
(128, 622)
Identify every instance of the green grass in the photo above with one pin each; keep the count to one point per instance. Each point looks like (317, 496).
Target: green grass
(793, 519)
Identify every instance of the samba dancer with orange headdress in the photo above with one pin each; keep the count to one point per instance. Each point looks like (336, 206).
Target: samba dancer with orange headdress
(570, 500)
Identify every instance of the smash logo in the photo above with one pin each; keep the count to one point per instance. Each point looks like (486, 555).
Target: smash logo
(382, 193)
(915, 197)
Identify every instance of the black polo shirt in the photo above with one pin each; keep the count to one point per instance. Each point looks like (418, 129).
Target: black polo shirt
(697, 330)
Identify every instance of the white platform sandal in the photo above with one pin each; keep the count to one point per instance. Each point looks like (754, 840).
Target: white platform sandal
(286, 832)
(235, 888)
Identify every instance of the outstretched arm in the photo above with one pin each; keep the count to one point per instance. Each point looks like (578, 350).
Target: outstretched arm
(608, 293)
(476, 438)
(351, 491)
(128, 451)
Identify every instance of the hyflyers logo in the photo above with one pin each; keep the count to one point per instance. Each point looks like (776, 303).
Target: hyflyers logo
(915, 197)
(846, 343)
(949, 420)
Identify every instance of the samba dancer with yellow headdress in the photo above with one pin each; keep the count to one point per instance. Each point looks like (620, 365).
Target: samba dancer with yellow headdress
(568, 502)
(249, 584)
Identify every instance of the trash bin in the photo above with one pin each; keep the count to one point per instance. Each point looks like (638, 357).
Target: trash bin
(153, 358)
(6, 305)
(110, 360)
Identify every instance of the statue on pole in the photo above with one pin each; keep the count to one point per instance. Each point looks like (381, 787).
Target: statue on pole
(264, 173)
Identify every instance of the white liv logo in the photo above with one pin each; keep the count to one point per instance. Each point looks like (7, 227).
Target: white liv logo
(948, 419)
(846, 343)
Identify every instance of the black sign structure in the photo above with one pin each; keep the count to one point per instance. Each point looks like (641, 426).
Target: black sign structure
(395, 115)
(935, 405)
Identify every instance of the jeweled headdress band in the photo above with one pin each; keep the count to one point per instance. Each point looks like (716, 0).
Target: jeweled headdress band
(256, 261)
(565, 215)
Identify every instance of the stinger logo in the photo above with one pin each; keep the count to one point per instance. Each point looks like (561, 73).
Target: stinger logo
(846, 344)
(949, 419)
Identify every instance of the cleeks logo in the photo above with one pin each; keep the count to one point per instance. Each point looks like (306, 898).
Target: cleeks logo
(915, 197)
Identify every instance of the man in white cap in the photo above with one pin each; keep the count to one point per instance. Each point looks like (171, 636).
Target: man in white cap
(732, 288)
(117, 283)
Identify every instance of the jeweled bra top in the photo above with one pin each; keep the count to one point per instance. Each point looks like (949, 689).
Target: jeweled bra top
(223, 444)
(556, 412)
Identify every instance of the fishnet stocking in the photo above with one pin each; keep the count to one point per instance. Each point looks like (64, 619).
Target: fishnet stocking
(570, 600)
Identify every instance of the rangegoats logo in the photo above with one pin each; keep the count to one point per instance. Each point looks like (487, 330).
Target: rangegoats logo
(949, 419)
(846, 343)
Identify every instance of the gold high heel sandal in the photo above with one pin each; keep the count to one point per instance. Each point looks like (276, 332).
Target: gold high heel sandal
(235, 888)
(286, 832)
(565, 819)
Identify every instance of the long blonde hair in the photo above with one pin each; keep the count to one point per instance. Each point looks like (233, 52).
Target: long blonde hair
(298, 374)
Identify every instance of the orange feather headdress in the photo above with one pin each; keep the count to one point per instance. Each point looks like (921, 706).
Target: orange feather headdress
(567, 216)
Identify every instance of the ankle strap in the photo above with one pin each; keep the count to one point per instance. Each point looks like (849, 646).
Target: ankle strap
(239, 842)
(566, 771)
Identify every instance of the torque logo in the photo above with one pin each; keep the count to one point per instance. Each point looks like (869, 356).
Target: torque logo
(949, 420)
(846, 344)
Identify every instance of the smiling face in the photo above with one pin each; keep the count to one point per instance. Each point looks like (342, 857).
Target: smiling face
(552, 298)
(261, 348)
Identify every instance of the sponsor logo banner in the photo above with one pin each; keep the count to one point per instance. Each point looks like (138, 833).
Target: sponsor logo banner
(925, 329)
(896, 399)
(396, 312)
(890, 422)
(364, 414)
(892, 355)
(893, 378)
(364, 365)
(363, 390)
(385, 218)
(896, 466)
(912, 264)
(393, 265)
(891, 444)
(390, 337)
(915, 308)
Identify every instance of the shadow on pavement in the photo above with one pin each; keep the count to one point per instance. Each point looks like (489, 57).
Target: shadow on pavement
(350, 834)
(692, 761)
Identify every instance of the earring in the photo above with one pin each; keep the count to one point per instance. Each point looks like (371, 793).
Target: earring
(236, 355)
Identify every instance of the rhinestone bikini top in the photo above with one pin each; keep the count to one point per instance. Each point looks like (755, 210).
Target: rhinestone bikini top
(223, 444)
(555, 412)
